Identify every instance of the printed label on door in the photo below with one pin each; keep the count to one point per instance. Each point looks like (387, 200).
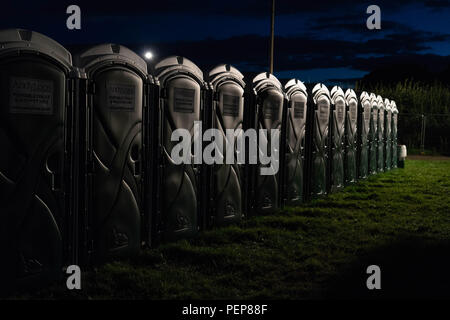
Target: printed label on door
(184, 100)
(353, 112)
(340, 112)
(323, 110)
(31, 96)
(121, 97)
(367, 116)
(230, 105)
(299, 109)
(271, 110)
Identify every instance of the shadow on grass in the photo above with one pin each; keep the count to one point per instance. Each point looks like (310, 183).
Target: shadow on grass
(410, 268)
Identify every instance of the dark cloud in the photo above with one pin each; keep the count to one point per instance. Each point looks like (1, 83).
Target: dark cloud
(294, 53)
(430, 62)
(356, 24)
(437, 4)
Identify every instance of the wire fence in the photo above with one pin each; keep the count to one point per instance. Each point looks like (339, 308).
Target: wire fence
(425, 132)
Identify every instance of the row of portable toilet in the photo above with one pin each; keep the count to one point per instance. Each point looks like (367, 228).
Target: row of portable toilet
(86, 172)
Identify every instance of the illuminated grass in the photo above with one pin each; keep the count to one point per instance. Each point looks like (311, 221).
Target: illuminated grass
(399, 220)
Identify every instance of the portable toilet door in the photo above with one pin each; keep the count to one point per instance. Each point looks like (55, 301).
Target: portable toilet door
(297, 98)
(363, 135)
(317, 141)
(226, 180)
(394, 134)
(388, 135)
(373, 134)
(35, 166)
(181, 103)
(265, 184)
(380, 131)
(351, 136)
(337, 139)
(114, 113)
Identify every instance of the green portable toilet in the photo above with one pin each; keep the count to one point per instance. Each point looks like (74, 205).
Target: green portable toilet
(394, 134)
(37, 225)
(114, 111)
(351, 136)
(364, 120)
(317, 141)
(388, 135)
(268, 115)
(373, 135)
(380, 132)
(297, 98)
(181, 103)
(337, 139)
(225, 203)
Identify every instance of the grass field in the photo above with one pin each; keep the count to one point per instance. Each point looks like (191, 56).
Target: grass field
(399, 220)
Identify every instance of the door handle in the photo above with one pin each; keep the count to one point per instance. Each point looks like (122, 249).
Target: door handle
(54, 168)
(136, 160)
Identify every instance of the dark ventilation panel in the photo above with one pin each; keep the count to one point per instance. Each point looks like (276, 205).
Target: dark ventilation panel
(25, 35)
(115, 48)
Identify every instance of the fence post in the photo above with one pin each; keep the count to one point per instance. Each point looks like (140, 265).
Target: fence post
(422, 135)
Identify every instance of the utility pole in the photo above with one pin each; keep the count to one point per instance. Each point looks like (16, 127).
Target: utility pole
(272, 27)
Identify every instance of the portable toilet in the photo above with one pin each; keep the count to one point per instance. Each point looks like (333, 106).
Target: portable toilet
(394, 134)
(112, 102)
(337, 140)
(380, 132)
(181, 95)
(351, 136)
(373, 135)
(388, 135)
(266, 117)
(38, 224)
(297, 102)
(225, 181)
(364, 121)
(317, 140)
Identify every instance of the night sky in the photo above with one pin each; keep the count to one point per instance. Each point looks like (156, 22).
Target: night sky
(315, 40)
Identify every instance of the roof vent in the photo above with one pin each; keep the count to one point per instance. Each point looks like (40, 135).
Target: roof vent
(25, 35)
(115, 48)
